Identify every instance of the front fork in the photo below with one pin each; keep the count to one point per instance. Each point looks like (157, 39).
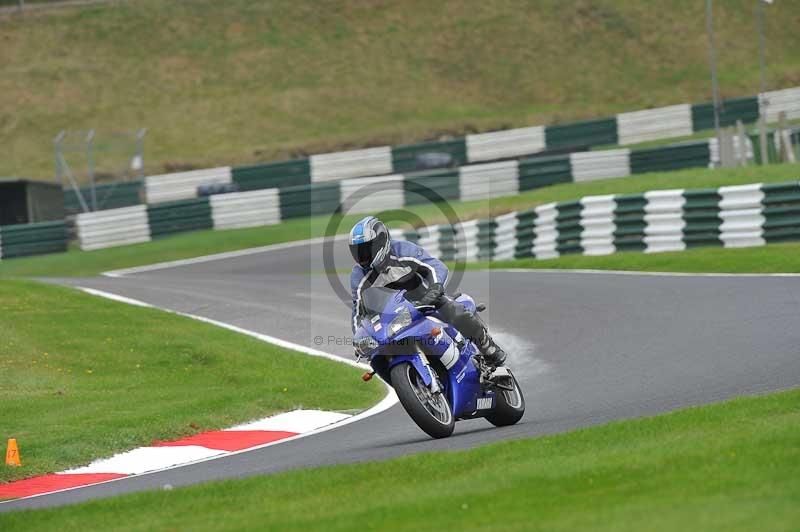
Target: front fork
(434, 385)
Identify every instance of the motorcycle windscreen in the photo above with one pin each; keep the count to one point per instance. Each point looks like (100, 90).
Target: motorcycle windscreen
(374, 299)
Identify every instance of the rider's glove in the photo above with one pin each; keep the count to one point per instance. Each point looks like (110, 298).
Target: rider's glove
(433, 296)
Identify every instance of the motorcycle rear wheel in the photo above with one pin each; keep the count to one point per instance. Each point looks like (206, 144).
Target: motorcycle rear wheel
(509, 407)
(431, 412)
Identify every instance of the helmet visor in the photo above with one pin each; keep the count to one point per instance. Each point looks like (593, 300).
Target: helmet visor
(366, 252)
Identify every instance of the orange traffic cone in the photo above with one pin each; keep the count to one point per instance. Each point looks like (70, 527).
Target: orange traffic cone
(12, 453)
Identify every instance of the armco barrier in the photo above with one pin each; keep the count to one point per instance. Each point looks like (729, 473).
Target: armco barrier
(624, 129)
(491, 180)
(470, 182)
(109, 196)
(588, 166)
(331, 166)
(653, 222)
(179, 216)
(744, 109)
(598, 132)
(782, 101)
(245, 209)
(116, 227)
(654, 124)
(32, 239)
(171, 187)
(505, 144)
(272, 175)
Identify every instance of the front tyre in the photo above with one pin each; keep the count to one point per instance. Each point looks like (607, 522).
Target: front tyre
(431, 412)
(509, 406)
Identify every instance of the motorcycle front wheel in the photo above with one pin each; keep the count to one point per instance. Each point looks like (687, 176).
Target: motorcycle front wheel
(431, 412)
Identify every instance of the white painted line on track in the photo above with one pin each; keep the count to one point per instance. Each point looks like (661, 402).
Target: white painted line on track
(115, 297)
(217, 256)
(389, 400)
(636, 273)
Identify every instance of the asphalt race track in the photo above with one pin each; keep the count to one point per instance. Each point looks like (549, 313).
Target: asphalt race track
(586, 347)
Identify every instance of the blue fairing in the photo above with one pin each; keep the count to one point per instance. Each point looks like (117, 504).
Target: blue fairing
(461, 383)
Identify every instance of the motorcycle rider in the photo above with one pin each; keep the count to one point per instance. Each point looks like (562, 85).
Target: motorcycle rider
(398, 264)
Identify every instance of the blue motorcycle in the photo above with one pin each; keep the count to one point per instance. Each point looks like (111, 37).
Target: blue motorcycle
(440, 377)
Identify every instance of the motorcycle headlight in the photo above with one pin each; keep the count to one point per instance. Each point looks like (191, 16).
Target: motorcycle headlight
(365, 344)
(400, 322)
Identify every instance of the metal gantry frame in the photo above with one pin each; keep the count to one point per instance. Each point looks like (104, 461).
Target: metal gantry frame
(84, 143)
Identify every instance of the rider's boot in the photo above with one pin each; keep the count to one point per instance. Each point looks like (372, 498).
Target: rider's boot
(471, 326)
(492, 353)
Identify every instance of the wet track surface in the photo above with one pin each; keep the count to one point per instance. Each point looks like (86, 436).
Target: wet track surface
(587, 348)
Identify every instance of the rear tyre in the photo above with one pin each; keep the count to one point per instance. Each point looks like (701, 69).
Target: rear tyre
(431, 412)
(509, 406)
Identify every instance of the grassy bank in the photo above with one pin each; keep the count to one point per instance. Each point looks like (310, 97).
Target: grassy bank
(732, 466)
(236, 82)
(80, 263)
(82, 377)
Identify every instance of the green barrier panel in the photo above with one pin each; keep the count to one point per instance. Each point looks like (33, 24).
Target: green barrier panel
(432, 186)
(781, 193)
(744, 109)
(404, 158)
(568, 227)
(448, 244)
(525, 232)
(486, 239)
(109, 196)
(781, 212)
(669, 158)
(310, 200)
(580, 134)
(33, 239)
(701, 215)
(629, 222)
(272, 175)
(179, 216)
(537, 172)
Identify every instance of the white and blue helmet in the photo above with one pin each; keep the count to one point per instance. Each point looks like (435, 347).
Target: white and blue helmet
(369, 243)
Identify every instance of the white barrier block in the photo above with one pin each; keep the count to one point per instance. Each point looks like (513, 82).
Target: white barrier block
(664, 221)
(741, 197)
(664, 201)
(183, 185)
(505, 144)
(112, 227)
(353, 163)
(484, 181)
(654, 124)
(776, 102)
(372, 194)
(604, 164)
(245, 209)
(597, 221)
(742, 227)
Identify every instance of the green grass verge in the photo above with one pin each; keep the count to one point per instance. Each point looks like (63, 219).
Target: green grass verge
(83, 377)
(731, 466)
(772, 258)
(82, 263)
(238, 81)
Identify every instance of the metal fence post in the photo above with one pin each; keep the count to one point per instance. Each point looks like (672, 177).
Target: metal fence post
(90, 165)
(712, 59)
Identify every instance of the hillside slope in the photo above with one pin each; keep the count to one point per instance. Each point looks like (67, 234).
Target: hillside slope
(239, 81)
